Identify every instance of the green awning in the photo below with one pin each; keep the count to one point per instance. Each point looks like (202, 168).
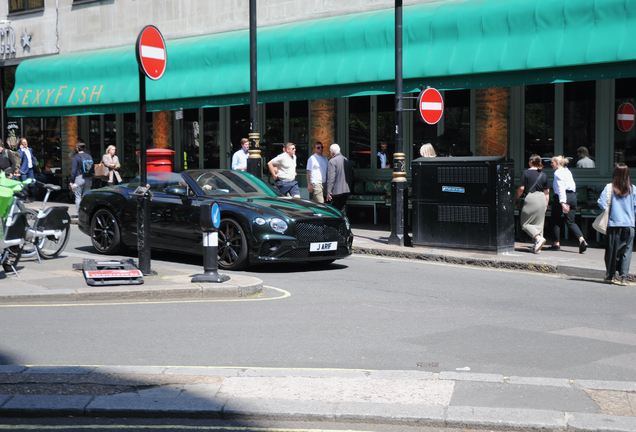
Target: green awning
(449, 44)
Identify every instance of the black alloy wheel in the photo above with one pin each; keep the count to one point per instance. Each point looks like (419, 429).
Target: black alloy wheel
(232, 246)
(105, 233)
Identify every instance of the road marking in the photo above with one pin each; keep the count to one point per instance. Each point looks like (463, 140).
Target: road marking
(170, 427)
(284, 295)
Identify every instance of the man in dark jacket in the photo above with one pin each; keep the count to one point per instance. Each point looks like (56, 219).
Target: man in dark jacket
(7, 161)
(81, 181)
(339, 179)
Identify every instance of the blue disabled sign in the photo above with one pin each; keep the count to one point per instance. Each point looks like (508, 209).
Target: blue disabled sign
(216, 215)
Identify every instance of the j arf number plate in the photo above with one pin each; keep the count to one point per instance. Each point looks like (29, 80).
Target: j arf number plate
(323, 247)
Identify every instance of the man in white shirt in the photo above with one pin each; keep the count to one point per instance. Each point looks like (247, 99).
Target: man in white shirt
(239, 159)
(317, 173)
(283, 169)
(382, 157)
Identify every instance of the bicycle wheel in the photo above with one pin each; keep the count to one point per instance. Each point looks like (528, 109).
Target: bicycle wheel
(13, 257)
(28, 250)
(50, 246)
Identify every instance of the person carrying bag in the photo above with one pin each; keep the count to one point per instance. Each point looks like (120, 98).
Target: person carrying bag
(111, 163)
(619, 198)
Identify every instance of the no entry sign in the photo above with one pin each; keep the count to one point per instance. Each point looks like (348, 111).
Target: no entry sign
(151, 52)
(430, 105)
(625, 117)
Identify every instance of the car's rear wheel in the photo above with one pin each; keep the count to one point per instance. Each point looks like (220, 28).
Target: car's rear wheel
(105, 233)
(232, 245)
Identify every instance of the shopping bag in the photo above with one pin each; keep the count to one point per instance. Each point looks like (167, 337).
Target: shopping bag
(600, 223)
(101, 171)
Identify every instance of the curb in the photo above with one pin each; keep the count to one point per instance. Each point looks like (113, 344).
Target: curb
(236, 287)
(544, 268)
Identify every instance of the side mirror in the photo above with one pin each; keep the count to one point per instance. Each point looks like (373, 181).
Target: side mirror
(177, 190)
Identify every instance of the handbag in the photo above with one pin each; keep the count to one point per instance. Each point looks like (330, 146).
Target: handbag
(101, 172)
(600, 223)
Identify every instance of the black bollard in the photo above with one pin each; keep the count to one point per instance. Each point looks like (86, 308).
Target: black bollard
(210, 221)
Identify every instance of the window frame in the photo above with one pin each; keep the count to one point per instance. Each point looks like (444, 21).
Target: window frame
(24, 9)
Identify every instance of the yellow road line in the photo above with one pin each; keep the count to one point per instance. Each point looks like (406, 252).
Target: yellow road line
(150, 302)
(140, 427)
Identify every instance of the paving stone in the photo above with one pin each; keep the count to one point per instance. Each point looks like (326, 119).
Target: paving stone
(411, 415)
(501, 418)
(36, 405)
(276, 409)
(135, 406)
(601, 423)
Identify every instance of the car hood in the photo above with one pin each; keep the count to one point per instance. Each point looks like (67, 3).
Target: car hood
(291, 207)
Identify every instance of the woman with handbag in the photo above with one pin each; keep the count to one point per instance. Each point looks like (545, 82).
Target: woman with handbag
(564, 207)
(111, 162)
(534, 185)
(621, 199)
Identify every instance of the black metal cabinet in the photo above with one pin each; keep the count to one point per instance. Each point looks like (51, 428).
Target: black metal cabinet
(464, 202)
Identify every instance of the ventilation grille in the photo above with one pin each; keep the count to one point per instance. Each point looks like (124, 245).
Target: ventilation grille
(322, 230)
(465, 214)
(462, 175)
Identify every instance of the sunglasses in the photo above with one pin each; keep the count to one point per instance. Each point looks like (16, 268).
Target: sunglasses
(318, 147)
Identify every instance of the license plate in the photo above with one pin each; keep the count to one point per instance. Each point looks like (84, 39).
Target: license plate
(322, 247)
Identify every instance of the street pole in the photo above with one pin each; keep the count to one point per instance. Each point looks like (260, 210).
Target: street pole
(254, 160)
(143, 200)
(399, 184)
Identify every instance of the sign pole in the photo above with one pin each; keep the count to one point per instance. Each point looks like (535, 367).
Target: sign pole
(152, 58)
(143, 201)
(254, 161)
(399, 184)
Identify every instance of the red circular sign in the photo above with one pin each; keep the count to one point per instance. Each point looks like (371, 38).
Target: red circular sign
(151, 52)
(430, 105)
(625, 117)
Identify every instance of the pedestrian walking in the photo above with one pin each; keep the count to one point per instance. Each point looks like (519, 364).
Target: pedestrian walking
(239, 159)
(28, 163)
(317, 173)
(619, 240)
(81, 172)
(564, 207)
(283, 169)
(533, 196)
(339, 179)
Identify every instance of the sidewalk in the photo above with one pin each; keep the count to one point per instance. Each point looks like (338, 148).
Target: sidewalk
(447, 399)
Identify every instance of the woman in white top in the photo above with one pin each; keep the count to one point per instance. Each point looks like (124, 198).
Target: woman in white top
(565, 206)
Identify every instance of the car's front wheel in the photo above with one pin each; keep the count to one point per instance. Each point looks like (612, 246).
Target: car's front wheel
(105, 233)
(232, 245)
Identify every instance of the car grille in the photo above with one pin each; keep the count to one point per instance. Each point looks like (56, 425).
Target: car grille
(321, 230)
(304, 253)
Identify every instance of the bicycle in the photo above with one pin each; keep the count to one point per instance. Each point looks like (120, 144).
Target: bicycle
(13, 225)
(48, 230)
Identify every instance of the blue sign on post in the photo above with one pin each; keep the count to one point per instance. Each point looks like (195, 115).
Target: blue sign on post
(216, 215)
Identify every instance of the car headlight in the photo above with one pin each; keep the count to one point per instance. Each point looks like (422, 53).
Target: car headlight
(260, 221)
(278, 225)
(347, 223)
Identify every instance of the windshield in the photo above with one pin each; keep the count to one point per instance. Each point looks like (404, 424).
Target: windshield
(235, 184)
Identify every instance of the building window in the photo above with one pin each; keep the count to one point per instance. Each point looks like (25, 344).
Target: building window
(190, 145)
(360, 131)
(274, 136)
(299, 130)
(211, 141)
(386, 129)
(539, 122)
(625, 134)
(25, 5)
(455, 137)
(579, 124)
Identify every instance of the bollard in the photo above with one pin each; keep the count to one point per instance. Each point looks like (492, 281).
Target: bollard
(210, 221)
